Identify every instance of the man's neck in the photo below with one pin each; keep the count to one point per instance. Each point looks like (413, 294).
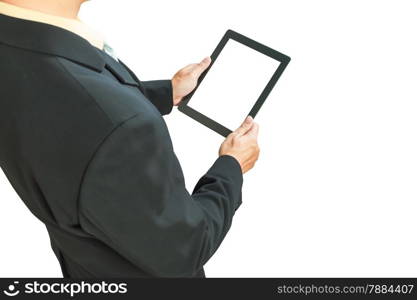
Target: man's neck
(60, 8)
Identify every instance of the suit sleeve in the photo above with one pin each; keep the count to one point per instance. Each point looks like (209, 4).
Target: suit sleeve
(159, 92)
(133, 198)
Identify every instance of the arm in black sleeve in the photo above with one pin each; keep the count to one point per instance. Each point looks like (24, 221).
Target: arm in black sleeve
(133, 198)
(159, 92)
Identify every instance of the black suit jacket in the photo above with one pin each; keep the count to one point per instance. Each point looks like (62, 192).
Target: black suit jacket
(84, 144)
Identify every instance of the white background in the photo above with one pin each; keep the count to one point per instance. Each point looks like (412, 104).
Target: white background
(334, 191)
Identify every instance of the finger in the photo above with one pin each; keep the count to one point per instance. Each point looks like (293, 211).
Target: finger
(201, 66)
(246, 125)
(187, 69)
(254, 131)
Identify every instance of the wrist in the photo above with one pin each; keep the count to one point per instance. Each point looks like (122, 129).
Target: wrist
(175, 98)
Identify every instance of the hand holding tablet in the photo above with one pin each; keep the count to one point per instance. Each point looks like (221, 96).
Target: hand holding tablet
(242, 144)
(240, 77)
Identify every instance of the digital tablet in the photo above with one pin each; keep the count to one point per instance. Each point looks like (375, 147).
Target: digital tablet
(240, 77)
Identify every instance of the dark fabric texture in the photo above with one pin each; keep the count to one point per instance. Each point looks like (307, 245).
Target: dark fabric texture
(84, 144)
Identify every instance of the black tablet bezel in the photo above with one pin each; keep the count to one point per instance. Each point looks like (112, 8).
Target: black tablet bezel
(230, 34)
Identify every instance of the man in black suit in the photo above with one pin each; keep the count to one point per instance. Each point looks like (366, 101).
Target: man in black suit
(84, 144)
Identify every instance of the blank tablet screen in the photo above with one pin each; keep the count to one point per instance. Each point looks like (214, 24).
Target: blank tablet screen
(233, 84)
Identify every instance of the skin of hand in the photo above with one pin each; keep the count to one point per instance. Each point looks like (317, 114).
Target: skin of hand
(242, 144)
(185, 80)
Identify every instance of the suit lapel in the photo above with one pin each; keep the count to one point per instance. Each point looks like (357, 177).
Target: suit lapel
(117, 69)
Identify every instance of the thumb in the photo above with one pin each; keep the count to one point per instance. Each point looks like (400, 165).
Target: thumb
(245, 127)
(201, 66)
